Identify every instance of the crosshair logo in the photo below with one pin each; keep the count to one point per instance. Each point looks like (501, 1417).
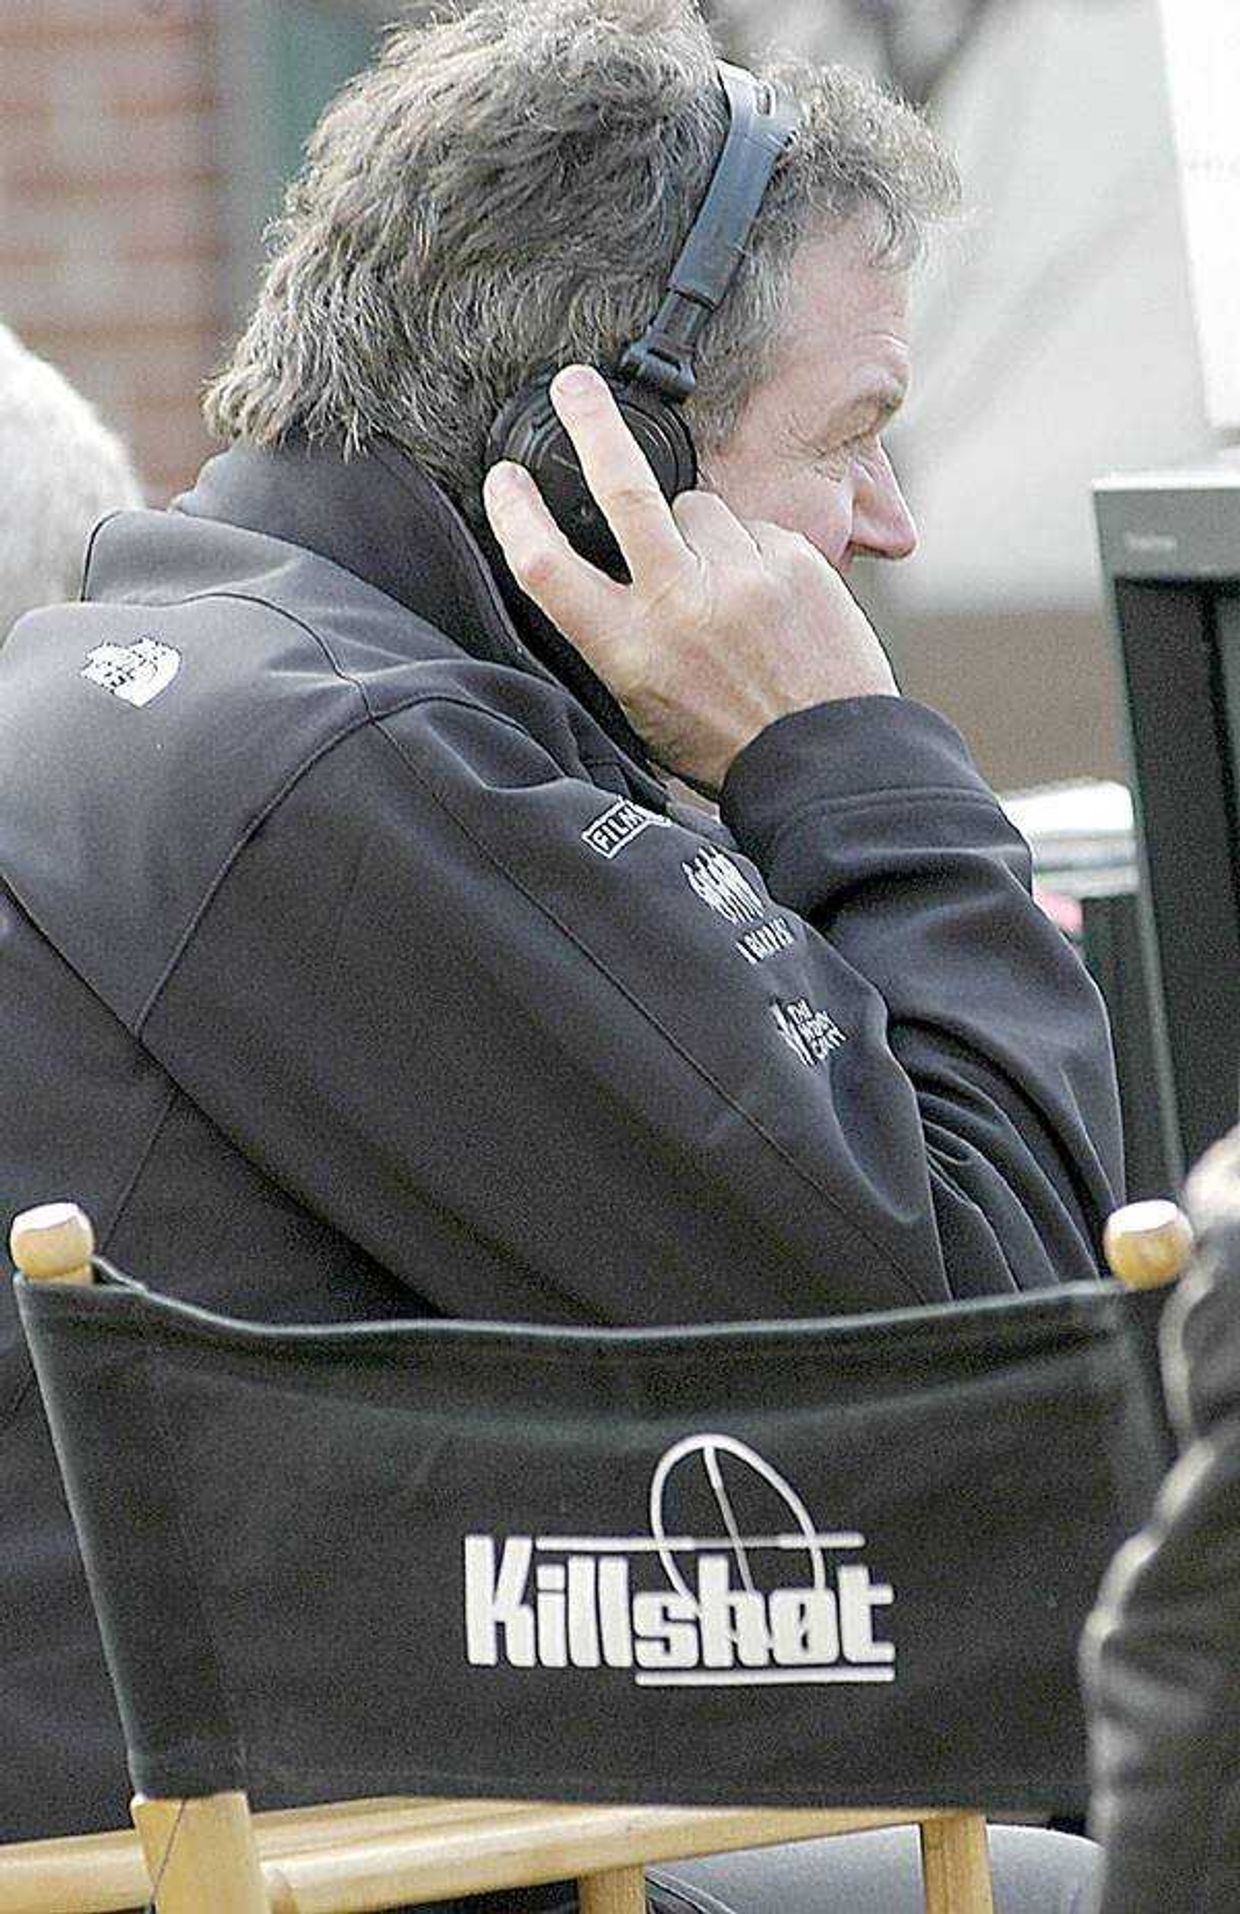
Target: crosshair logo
(779, 1602)
(703, 1453)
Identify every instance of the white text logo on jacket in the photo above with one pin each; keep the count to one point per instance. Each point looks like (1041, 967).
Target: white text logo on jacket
(794, 1604)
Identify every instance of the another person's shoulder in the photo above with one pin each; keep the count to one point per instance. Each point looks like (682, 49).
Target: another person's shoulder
(61, 470)
(34, 394)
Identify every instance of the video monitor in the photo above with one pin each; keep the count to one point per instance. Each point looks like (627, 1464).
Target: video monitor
(1170, 547)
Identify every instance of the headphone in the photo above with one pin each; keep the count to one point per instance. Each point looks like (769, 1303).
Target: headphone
(654, 374)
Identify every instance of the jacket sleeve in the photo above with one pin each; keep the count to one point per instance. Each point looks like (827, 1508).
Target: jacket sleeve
(868, 818)
(452, 994)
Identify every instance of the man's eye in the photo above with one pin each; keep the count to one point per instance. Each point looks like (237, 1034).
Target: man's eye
(835, 458)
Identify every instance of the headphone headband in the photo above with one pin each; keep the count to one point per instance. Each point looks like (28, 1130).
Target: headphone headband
(655, 373)
(761, 125)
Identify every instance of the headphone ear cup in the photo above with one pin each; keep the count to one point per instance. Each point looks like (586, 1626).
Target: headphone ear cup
(528, 430)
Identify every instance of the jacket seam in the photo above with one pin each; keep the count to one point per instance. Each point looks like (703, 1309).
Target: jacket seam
(869, 801)
(316, 637)
(600, 763)
(144, 1157)
(901, 793)
(211, 890)
(277, 797)
(643, 1010)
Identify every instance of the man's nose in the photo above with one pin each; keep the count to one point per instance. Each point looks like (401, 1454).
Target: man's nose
(883, 526)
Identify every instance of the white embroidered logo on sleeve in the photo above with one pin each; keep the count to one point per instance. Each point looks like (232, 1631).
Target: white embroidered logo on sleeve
(812, 1034)
(618, 825)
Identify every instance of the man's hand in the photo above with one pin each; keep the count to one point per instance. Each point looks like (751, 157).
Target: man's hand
(725, 626)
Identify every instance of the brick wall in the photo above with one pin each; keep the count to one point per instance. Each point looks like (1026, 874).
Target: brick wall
(111, 235)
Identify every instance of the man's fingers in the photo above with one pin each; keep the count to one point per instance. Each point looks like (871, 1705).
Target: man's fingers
(574, 595)
(618, 474)
(711, 529)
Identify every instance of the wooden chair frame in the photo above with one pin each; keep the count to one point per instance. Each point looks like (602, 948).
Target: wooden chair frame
(210, 1855)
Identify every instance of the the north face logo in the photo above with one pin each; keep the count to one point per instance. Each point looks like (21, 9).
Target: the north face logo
(137, 673)
(720, 1606)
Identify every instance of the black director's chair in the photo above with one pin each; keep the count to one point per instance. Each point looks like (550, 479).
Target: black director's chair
(782, 1565)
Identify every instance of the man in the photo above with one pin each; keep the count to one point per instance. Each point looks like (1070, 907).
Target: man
(60, 471)
(378, 970)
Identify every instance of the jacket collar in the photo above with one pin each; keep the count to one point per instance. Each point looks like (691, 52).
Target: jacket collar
(382, 518)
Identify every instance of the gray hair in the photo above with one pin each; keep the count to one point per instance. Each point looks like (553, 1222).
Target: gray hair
(60, 471)
(506, 190)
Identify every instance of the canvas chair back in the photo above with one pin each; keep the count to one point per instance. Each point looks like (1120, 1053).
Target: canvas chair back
(833, 1562)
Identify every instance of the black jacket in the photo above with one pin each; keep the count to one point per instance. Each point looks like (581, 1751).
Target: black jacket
(354, 964)
(1161, 1656)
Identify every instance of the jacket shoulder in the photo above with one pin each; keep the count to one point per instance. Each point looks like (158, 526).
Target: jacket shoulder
(155, 726)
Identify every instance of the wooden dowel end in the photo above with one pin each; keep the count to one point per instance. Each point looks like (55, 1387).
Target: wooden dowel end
(53, 1244)
(1148, 1244)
